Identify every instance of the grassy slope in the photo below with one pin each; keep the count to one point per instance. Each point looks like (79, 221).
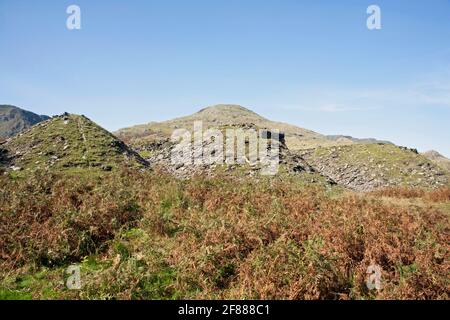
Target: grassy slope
(383, 162)
(149, 236)
(69, 142)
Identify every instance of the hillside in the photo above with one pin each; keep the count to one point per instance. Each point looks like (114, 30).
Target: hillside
(65, 142)
(358, 164)
(14, 120)
(438, 159)
(222, 115)
(75, 195)
(350, 139)
(143, 235)
(160, 155)
(365, 167)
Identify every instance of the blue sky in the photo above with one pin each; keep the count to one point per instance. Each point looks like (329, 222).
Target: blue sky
(310, 63)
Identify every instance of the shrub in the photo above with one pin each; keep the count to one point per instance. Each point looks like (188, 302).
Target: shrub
(222, 237)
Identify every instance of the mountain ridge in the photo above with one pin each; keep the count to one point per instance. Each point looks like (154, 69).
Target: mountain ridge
(72, 141)
(13, 120)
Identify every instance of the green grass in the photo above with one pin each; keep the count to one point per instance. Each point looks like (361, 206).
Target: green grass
(43, 283)
(146, 154)
(8, 294)
(68, 144)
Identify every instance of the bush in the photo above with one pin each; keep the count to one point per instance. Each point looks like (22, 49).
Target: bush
(158, 237)
(53, 219)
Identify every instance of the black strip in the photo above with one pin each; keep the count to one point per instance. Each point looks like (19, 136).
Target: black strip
(223, 309)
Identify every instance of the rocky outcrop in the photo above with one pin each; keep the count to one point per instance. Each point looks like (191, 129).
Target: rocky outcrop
(161, 154)
(359, 166)
(375, 166)
(3, 155)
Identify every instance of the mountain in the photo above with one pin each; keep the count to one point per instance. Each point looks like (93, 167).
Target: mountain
(72, 142)
(14, 120)
(358, 164)
(438, 159)
(141, 234)
(65, 142)
(350, 139)
(219, 116)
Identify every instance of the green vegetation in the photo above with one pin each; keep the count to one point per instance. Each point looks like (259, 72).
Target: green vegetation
(371, 166)
(147, 235)
(73, 194)
(70, 142)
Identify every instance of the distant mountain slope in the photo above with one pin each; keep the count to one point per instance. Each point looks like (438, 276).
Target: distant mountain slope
(438, 159)
(219, 116)
(68, 141)
(14, 120)
(343, 138)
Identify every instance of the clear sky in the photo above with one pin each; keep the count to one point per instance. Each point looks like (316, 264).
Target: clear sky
(310, 63)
